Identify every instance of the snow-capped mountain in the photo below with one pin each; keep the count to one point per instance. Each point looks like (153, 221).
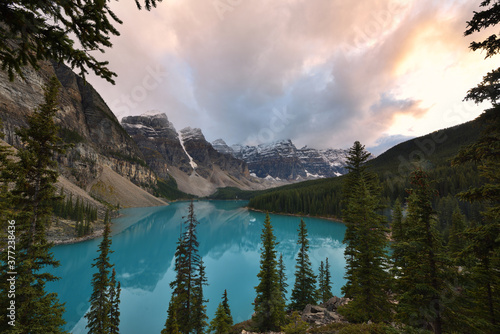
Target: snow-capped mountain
(186, 156)
(282, 160)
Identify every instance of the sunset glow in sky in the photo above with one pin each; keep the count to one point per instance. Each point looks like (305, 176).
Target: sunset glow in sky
(323, 73)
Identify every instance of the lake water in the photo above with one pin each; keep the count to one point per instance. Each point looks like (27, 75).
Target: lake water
(144, 241)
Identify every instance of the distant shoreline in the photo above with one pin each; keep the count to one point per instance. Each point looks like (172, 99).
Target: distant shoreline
(337, 220)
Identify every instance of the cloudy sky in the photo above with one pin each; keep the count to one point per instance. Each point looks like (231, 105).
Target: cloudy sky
(323, 73)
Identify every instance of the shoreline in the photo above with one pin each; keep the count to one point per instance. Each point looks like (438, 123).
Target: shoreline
(337, 220)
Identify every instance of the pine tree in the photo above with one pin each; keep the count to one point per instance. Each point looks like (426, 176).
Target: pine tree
(366, 271)
(187, 295)
(225, 304)
(269, 305)
(422, 277)
(220, 323)
(114, 299)
(282, 278)
(223, 321)
(32, 199)
(327, 290)
(98, 317)
(304, 289)
(356, 165)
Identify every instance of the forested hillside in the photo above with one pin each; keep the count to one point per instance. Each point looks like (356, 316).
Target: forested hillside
(432, 152)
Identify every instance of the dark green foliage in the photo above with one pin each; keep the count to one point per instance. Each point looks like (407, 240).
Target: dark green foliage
(296, 325)
(424, 269)
(33, 31)
(223, 321)
(304, 289)
(482, 252)
(99, 315)
(282, 278)
(126, 157)
(220, 323)
(457, 242)
(70, 136)
(169, 190)
(367, 279)
(324, 282)
(30, 210)
(83, 214)
(269, 305)
(187, 302)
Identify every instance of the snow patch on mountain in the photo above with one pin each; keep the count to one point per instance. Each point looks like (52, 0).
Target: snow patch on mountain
(181, 139)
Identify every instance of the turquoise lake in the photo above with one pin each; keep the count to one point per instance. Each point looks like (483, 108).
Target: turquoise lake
(144, 241)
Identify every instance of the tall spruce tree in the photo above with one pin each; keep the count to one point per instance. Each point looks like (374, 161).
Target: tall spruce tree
(327, 290)
(99, 315)
(367, 263)
(356, 165)
(304, 289)
(367, 280)
(422, 276)
(483, 238)
(187, 302)
(269, 305)
(31, 207)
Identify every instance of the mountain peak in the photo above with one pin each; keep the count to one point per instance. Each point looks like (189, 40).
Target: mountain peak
(189, 133)
(154, 113)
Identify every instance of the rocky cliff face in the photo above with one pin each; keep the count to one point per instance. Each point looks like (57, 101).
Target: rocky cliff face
(185, 155)
(85, 121)
(158, 141)
(282, 160)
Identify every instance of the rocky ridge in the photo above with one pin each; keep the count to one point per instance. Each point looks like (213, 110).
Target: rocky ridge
(187, 156)
(283, 160)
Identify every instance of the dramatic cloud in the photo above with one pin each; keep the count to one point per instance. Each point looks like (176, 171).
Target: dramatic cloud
(323, 72)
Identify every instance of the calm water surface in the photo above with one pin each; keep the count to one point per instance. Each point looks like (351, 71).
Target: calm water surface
(144, 242)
